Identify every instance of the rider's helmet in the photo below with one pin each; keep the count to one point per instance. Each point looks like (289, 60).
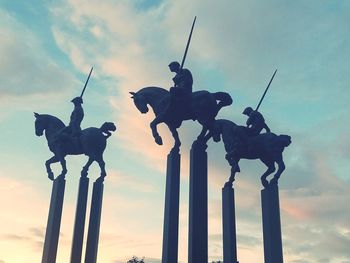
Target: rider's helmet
(247, 111)
(77, 100)
(174, 66)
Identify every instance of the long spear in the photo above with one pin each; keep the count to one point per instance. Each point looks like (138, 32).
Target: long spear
(82, 93)
(263, 96)
(188, 43)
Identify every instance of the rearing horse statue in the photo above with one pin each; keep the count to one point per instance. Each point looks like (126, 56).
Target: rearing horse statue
(268, 147)
(92, 142)
(203, 107)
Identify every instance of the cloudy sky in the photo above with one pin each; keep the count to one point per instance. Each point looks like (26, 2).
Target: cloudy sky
(46, 50)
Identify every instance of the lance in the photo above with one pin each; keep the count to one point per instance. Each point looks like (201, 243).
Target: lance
(188, 43)
(263, 96)
(82, 93)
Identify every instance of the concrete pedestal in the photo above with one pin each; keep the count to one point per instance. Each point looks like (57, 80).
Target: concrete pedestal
(171, 209)
(273, 252)
(94, 223)
(54, 221)
(198, 205)
(79, 223)
(229, 225)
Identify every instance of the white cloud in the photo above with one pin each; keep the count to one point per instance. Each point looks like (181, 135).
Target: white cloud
(26, 68)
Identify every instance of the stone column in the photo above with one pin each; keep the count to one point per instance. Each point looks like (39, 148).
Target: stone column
(79, 223)
(54, 221)
(94, 223)
(171, 209)
(198, 204)
(273, 252)
(229, 225)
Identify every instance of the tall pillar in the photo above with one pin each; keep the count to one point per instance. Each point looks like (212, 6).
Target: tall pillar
(171, 209)
(198, 204)
(229, 225)
(54, 221)
(79, 223)
(94, 223)
(273, 252)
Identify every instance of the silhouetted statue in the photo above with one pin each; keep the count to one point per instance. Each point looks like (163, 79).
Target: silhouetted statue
(91, 141)
(203, 106)
(267, 147)
(256, 122)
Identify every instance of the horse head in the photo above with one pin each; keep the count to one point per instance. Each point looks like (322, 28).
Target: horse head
(40, 124)
(48, 123)
(139, 101)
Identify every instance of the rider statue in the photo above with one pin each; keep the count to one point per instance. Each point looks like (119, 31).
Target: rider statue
(256, 122)
(183, 82)
(76, 117)
(73, 130)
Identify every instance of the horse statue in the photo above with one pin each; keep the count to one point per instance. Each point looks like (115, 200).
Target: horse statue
(91, 142)
(267, 147)
(202, 106)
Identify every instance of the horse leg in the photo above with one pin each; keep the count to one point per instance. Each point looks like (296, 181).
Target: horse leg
(155, 133)
(201, 136)
(234, 168)
(85, 170)
(53, 159)
(281, 168)
(64, 168)
(270, 169)
(176, 138)
(102, 164)
(207, 136)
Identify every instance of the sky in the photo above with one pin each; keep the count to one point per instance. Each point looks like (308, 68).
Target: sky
(46, 51)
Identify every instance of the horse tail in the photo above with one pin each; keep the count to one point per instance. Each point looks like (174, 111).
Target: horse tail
(107, 128)
(224, 99)
(284, 140)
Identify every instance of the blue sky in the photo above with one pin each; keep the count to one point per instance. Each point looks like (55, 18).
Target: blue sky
(47, 48)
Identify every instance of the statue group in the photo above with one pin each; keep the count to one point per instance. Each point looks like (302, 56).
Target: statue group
(171, 107)
(241, 141)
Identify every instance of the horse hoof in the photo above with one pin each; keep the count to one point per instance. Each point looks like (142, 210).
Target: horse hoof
(228, 184)
(216, 139)
(100, 179)
(274, 181)
(265, 183)
(61, 176)
(158, 140)
(51, 177)
(175, 149)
